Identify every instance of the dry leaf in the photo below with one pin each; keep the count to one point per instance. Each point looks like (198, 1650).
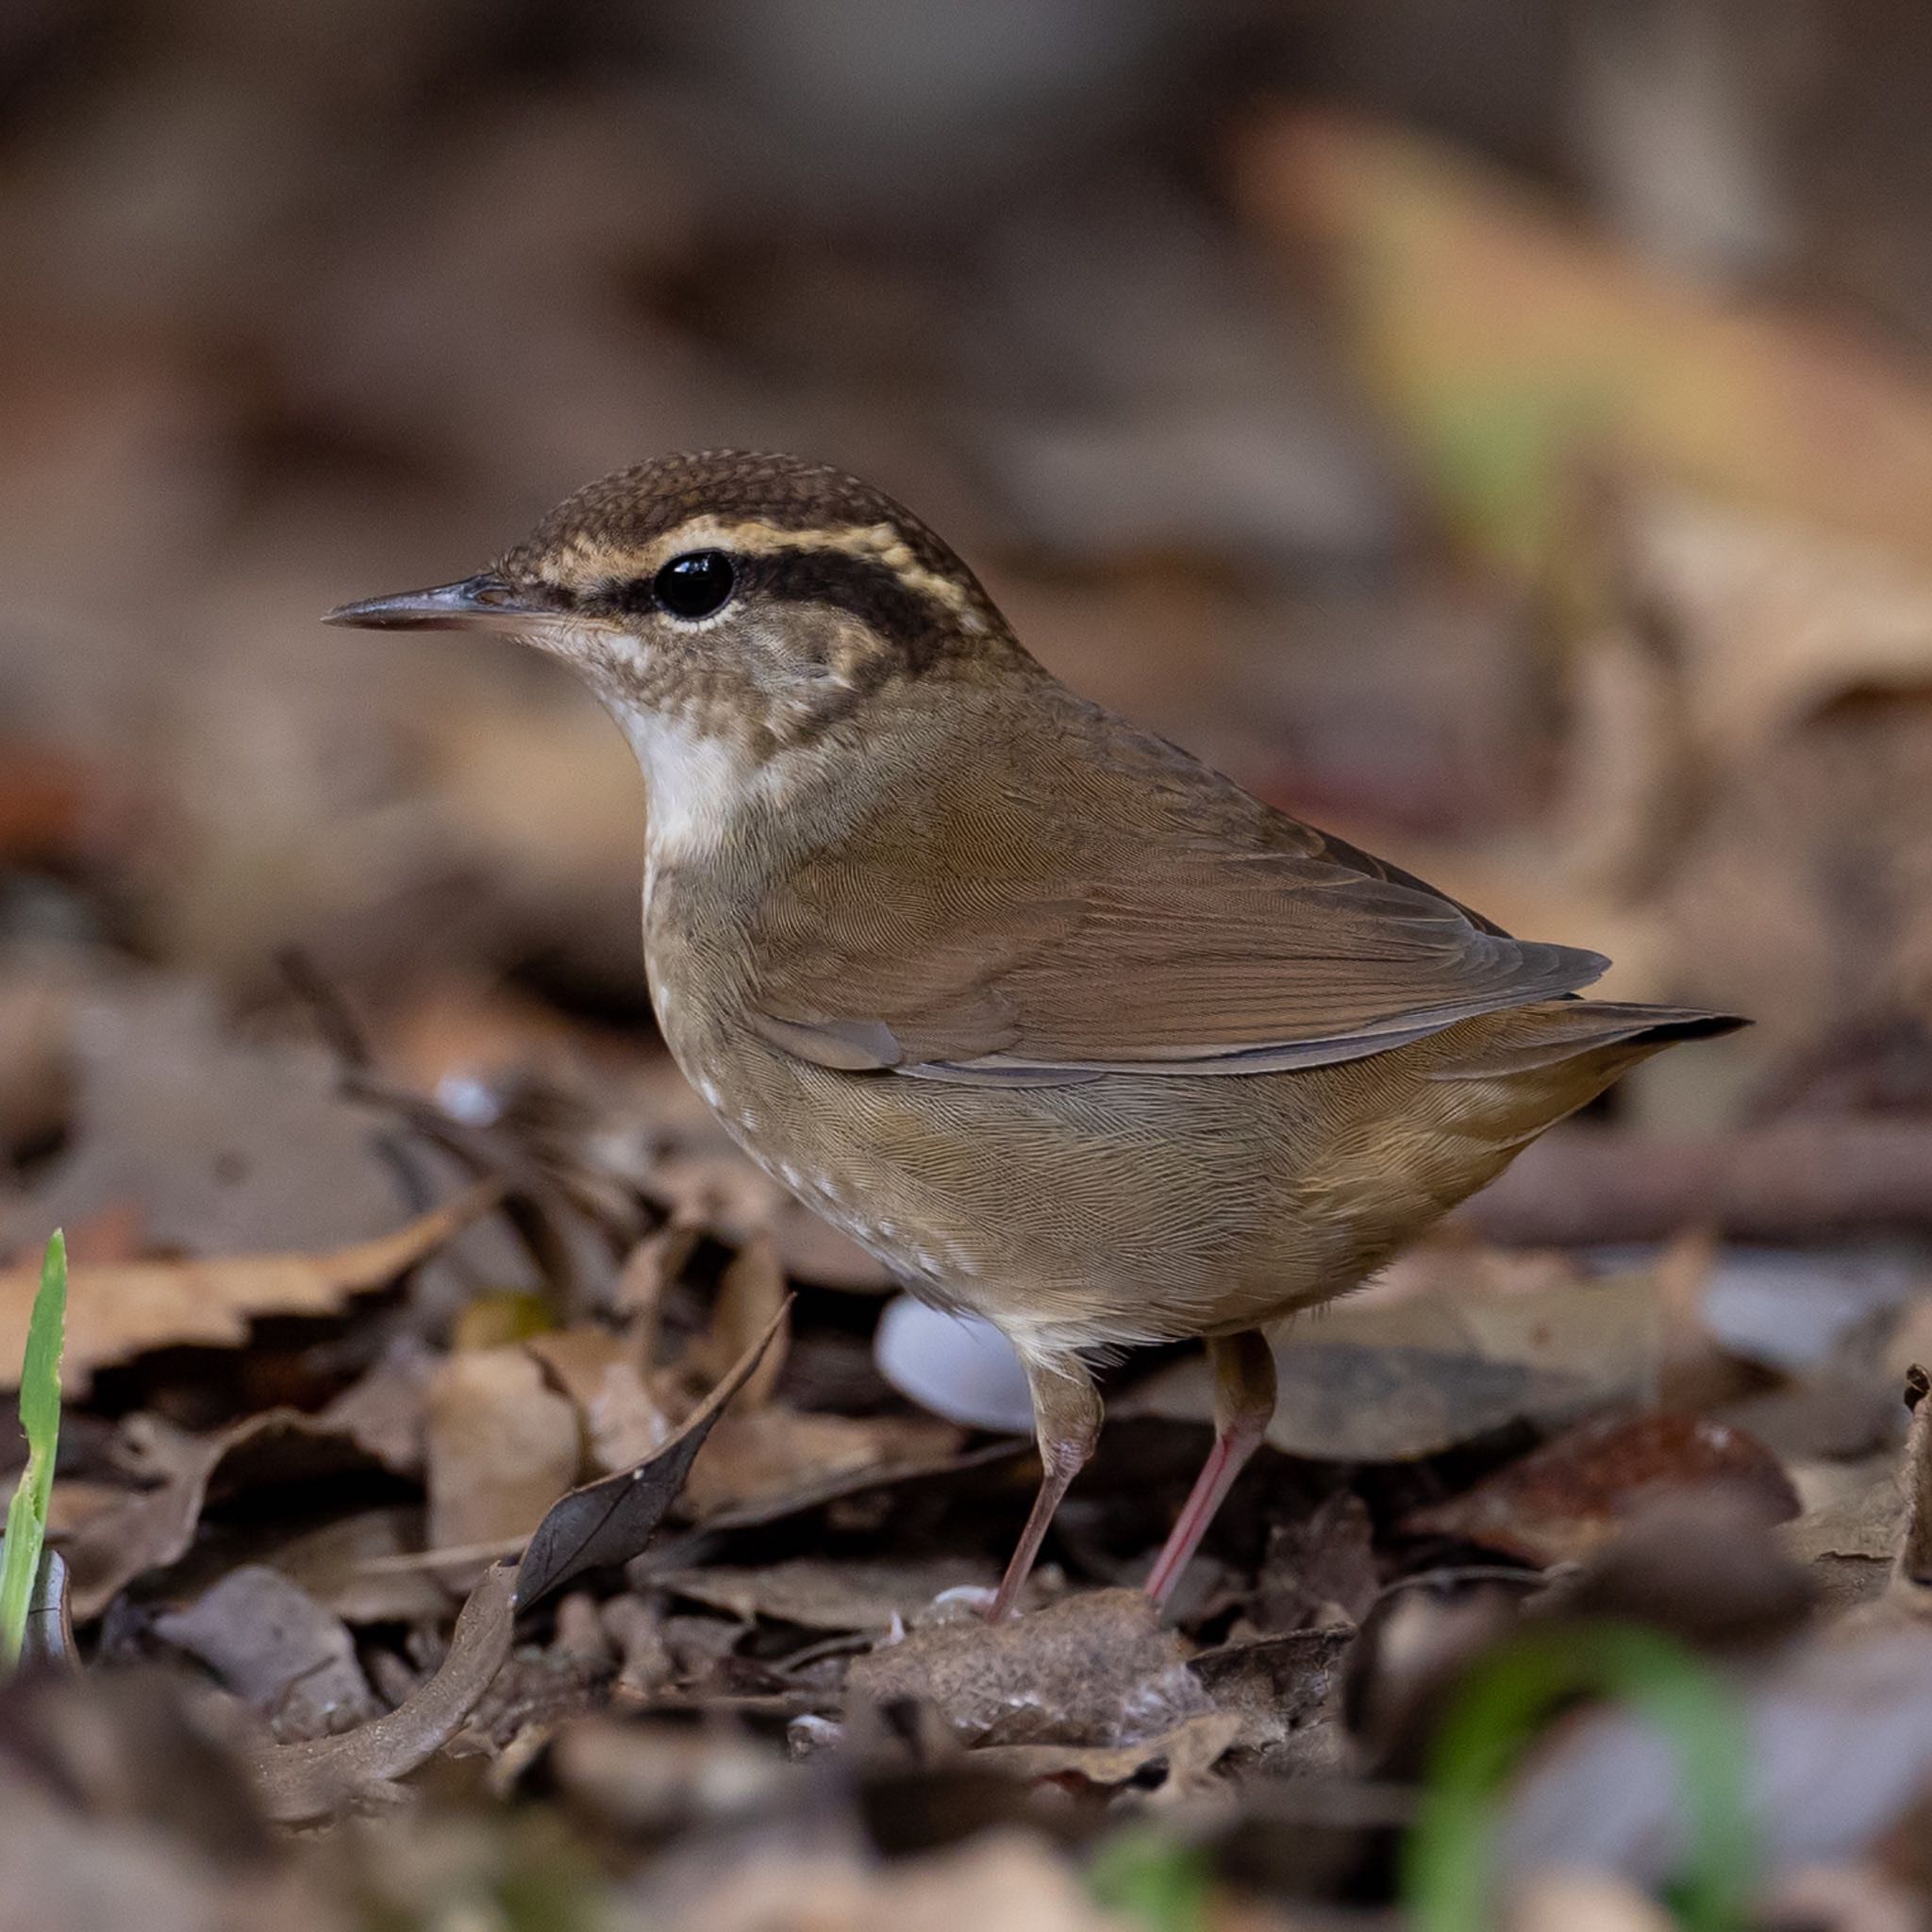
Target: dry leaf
(1849, 1540)
(222, 1145)
(873, 1594)
(1658, 1571)
(608, 1523)
(1908, 1594)
(750, 1292)
(503, 1447)
(1774, 618)
(266, 1639)
(655, 1778)
(1094, 1669)
(115, 1312)
(1318, 1570)
(1521, 353)
(387, 1410)
(1577, 1901)
(1279, 1691)
(1184, 1755)
(152, 1528)
(601, 1524)
(125, 1812)
(621, 1421)
(1011, 1878)
(1569, 1498)
(767, 1459)
(362, 1567)
(1345, 1401)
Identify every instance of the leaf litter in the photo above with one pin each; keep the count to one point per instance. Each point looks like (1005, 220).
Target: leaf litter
(364, 1320)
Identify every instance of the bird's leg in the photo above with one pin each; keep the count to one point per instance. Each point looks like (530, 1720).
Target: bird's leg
(1066, 1415)
(1243, 1369)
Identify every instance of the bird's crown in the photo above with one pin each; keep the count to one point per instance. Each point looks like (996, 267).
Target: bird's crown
(683, 535)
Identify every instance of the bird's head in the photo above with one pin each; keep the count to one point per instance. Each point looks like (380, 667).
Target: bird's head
(755, 599)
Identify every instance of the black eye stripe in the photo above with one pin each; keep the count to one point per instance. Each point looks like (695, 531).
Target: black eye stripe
(914, 621)
(697, 584)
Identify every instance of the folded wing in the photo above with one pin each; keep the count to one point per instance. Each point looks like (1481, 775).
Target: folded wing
(1141, 913)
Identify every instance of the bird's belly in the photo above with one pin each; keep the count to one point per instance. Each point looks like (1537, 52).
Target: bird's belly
(1117, 1211)
(1129, 1208)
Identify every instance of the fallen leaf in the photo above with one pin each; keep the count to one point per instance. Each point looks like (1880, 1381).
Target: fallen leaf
(750, 1292)
(649, 1270)
(774, 1454)
(605, 1523)
(386, 1409)
(1279, 1691)
(1574, 1901)
(1344, 1402)
(502, 1447)
(150, 1529)
(1907, 1594)
(1012, 1878)
(119, 1310)
(1658, 1571)
(1320, 1569)
(1095, 1668)
(620, 1419)
(636, 1630)
(266, 1639)
(51, 805)
(365, 1568)
(1519, 353)
(1774, 618)
(869, 1490)
(120, 1807)
(1176, 1762)
(871, 1594)
(1564, 1501)
(608, 1523)
(36, 1076)
(643, 1777)
(221, 1144)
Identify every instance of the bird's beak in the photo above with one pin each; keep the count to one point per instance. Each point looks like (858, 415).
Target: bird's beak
(483, 601)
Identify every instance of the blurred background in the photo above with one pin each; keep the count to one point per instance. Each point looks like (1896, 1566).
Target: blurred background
(1501, 432)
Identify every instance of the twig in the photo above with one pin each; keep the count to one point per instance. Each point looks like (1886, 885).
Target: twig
(1787, 1180)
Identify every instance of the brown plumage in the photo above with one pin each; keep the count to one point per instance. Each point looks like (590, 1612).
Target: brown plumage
(1061, 1024)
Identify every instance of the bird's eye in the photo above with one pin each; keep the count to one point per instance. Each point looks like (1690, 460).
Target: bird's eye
(696, 585)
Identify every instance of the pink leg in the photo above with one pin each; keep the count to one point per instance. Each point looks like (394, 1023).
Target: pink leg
(1066, 1413)
(1243, 1404)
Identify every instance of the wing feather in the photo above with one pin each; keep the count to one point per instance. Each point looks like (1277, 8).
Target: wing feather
(1104, 903)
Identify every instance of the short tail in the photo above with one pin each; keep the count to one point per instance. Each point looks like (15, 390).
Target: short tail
(1612, 1034)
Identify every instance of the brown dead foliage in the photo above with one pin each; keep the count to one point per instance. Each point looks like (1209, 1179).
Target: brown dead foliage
(393, 1500)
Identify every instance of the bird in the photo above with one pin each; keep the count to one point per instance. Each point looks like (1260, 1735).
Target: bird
(1062, 1025)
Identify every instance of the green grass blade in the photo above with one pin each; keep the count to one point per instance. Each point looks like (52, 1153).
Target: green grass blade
(1156, 1880)
(1496, 1715)
(39, 1418)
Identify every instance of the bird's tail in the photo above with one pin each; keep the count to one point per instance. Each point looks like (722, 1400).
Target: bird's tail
(1607, 1034)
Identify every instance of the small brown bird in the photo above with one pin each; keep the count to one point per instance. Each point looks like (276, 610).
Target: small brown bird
(1058, 1022)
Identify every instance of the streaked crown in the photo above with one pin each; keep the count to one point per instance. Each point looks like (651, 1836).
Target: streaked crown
(790, 532)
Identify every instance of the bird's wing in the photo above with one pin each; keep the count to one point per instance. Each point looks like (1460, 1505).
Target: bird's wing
(1091, 908)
